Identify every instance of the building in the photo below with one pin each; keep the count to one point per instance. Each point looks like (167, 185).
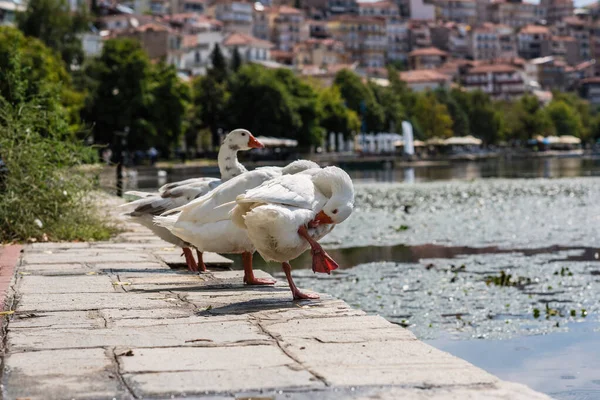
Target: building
(580, 30)
(317, 29)
(420, 34)
(192, 6)
(530, 39)
(249, 47)
(340, 7)
(491, 41)
(379, 8)
(9, 10)
(564, 47)
(556, 10)
(396, 29)
(584, 70)
(428, 58)
(261, 22)
(288, 27)
(398, 40)
(589, 89)
(421, 10)
(92, 43)
(514, 13)
(422, 80)
(236, 15)
(364, 38)
(461, 11)
(158, 40)
(548, 72)
(500, 81)
(319, 52)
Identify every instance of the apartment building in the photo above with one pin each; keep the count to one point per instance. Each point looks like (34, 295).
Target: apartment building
(564, 47)
(589, 89)
(548, 72)
(365, 38)
(422, 80)
(420, 34)
(530, 39)
(461, 11)
(236, 15)
(556, 10)
(514, 13)
(427, 58)
(383, 8)
(319, 52)
(491, 41)
(398, 40)
(157, 40)
(288, 27)
(249, 47)
(500, 81)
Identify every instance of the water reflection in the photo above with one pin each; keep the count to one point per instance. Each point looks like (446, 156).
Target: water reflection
(563, 365)
(555, 167)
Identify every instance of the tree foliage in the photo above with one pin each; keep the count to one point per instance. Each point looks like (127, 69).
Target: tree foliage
(52, 22)
(432, 117)
(127, 91)
(360, 98)
(45, 194)
(565, 118)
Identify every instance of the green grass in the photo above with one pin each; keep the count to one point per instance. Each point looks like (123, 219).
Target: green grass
(46, 195)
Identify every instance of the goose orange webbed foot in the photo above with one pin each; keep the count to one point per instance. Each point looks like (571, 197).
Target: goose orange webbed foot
(189, 260)
(249, 278)
(322, 262)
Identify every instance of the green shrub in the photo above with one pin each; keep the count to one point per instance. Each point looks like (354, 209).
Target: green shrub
(46, 195)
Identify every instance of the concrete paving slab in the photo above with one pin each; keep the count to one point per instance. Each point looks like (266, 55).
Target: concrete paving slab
(204, 358)
(57, 320)
(65, 284)
(47, 375)
(55, 269)
(92, 301)
(202, 333)
(202, 383)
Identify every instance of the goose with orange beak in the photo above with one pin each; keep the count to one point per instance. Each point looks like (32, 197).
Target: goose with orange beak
(287, 215)
(177, 194)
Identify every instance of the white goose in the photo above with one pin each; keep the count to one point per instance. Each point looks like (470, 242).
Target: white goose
(177, 194)
(205, 222)
(286, 215)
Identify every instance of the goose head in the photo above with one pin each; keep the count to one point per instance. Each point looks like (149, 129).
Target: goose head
(241, 139)
(335, 183)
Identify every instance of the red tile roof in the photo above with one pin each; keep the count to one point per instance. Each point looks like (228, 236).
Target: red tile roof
(493, 68)
(535, 29)
(428, 51)
(240, 39)
(423, 75)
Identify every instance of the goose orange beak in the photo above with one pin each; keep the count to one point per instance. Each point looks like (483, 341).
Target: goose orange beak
(322, 218)
(253, 143)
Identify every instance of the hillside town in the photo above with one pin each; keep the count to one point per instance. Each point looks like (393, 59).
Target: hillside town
(503, 47)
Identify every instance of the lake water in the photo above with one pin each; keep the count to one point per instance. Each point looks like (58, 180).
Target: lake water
(501, 271)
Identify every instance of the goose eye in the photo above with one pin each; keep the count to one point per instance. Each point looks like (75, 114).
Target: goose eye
(335, 211)
(243, 133)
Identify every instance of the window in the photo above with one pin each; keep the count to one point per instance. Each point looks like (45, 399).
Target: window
(197, 57)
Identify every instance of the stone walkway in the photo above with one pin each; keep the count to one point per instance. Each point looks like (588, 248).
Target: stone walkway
(112, 320)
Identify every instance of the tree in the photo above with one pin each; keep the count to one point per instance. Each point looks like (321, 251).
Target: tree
(262, 104)
(565, 118)
(460, 125)
(582, 107)
(525, 119)
(210, 100)
(52, 22)
(120, 95)
(432, 117)
(170, 97)
(360, 98)
(236, 60)
(334, 116)
(46, 75)
(219, 65)
(485, 121)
